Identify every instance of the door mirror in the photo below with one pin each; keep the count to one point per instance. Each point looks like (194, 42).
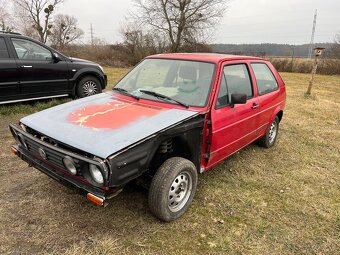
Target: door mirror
(238, 99)
(56, 57)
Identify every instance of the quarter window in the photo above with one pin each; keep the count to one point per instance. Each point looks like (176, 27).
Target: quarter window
(235, 80)
(29, 50)
(3, 49)
(265, 79)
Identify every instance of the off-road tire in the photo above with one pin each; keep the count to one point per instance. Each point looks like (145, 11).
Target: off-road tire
(173, 169)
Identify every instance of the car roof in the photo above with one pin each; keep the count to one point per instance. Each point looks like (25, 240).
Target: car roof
(207, 57)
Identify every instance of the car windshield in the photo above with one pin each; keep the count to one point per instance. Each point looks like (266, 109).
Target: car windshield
(187, 82)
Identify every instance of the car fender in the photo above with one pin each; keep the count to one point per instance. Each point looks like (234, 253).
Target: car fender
(84, 72)
(275, 112)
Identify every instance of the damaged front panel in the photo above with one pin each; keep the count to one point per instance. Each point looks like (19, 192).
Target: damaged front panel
(104, 124)
(182, 140)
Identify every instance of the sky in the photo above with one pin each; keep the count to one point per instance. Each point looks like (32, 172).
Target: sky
(245, 21)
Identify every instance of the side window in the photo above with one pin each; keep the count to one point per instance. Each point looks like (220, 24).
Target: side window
(26, 49)
(235, 80)
(3, 49)
(265, 79)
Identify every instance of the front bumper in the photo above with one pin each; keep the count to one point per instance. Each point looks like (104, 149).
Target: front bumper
(45, 167)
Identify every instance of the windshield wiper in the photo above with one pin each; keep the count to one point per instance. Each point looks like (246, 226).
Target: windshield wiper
(164, 97)
(125, 92)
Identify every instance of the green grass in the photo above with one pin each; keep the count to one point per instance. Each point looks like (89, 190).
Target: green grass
(283, 200)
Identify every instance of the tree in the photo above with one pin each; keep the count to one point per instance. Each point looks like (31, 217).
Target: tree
(65, 30)
(139, 44)
(182, 21)
(5, 18)
(335, 50)
(39, 12)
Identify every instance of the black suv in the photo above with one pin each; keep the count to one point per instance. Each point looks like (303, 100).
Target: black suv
(30, 70)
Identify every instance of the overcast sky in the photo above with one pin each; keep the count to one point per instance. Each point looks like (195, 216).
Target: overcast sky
(245, 21)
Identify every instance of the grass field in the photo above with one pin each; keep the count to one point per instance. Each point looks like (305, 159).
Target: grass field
(283, 200)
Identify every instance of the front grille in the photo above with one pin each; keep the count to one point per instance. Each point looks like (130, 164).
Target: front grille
(54, 157)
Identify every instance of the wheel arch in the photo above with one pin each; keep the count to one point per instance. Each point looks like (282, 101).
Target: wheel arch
(84, 73)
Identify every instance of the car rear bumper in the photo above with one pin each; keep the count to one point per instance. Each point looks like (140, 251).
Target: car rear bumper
(94, 194)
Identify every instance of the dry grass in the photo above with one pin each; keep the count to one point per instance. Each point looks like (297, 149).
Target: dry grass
(305, 65)
(285, 200)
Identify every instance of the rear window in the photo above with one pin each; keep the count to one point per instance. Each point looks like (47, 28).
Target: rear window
(265, 79)
(3, 49)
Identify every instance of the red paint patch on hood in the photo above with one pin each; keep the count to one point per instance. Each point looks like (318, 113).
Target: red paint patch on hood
(114, 114)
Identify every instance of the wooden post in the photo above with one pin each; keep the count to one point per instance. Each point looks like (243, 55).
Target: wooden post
(317, 54)
(311, 81)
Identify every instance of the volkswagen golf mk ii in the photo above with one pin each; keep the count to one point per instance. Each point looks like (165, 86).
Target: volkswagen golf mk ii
(169, 119)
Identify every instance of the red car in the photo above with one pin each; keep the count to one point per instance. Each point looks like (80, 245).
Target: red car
(170, 118)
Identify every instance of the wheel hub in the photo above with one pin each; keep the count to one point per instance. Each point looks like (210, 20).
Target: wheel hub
(90, 88)
(179, 192)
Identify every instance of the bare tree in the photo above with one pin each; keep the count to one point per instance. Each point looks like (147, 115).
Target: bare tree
(39, 13)
(137, 43)
(181, 20)
(65, 30)
(335, 50)
(5, 18)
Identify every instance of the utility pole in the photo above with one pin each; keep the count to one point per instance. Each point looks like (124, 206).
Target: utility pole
(311, 44)
(91, 32)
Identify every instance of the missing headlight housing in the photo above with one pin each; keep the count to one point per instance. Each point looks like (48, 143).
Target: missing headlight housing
(21, 140)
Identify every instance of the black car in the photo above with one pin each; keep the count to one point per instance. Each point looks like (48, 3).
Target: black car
(30, 70)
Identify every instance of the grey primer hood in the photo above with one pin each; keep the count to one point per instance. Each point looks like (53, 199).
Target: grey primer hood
(103, 124)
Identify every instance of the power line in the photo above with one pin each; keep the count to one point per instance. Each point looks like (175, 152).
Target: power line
(312, 37)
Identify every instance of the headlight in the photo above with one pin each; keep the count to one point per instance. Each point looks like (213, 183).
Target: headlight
(69, 165)
(101, 68)
(96, 174)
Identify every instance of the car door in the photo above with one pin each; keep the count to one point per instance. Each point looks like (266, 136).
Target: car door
(9, 81)
(40, 74)
(233, 127)
(268, 93)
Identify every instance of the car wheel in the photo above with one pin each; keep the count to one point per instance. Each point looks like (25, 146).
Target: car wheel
(88, 86)
(269, 139)
(172, 188)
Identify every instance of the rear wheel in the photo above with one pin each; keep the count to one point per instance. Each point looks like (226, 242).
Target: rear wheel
(172, 188)
(269, 139)
(88, 86)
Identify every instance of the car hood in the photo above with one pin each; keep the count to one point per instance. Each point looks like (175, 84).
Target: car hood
(104, 124)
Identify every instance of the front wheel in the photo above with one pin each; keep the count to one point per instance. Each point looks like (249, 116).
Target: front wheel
(269, 139)
(172, 188)
(88, 86)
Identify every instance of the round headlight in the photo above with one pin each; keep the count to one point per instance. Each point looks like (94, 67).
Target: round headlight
(69, 165)
(96, 174)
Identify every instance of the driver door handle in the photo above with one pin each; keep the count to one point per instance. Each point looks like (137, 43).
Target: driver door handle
(255, 106)
(26, 66)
